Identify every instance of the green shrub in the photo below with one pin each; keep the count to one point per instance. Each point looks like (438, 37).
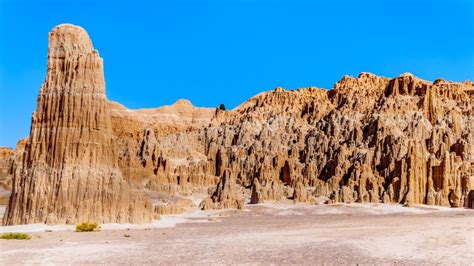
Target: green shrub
(87, 227)
(17, 236)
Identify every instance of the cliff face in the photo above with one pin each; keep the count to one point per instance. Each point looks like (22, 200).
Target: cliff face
(369, 139)
(69, 168)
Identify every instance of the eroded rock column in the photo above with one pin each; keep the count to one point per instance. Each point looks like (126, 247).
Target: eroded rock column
(70, 171)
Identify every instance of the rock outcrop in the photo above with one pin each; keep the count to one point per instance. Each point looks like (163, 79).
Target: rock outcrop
(6, 171)
(226, 194)
(174, 206)
(10, 163)
(70, 170)
(368, 139)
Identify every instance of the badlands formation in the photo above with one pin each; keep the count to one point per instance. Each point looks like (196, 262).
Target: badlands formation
(368, 139)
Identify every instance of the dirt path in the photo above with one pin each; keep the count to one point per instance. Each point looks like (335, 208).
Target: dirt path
(269, 233)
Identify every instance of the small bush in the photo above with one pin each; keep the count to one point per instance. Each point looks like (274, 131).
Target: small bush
(87, 227)
(17, 236)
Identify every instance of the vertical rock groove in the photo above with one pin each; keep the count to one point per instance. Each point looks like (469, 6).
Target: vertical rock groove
(70, 168)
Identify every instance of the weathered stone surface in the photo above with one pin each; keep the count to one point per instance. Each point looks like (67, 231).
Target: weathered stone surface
(6, 171)
(368, 139)
(226, 194)
(70, 168)
(10, 164)
(300, 193)
(173, 206)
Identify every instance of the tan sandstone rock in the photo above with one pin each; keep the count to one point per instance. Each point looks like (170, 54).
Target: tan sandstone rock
(173, 206)
(368, 139)
(6, 171)
(70, 169)
(226, 195)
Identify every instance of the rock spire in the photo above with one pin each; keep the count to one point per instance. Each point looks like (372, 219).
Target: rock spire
(70, 168)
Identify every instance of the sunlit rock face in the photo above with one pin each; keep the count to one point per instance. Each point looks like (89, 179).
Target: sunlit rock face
(368, 139)
(69, 170)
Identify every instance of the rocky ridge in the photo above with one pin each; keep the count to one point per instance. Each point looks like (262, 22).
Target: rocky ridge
(368, 139)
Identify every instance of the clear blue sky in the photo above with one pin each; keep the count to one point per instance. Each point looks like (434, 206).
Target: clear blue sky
(226, 51)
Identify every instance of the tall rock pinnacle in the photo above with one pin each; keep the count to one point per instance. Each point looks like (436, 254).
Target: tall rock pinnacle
(73, 64)
(70, 168)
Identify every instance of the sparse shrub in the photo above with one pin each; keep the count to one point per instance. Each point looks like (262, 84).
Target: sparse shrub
(87, 227)
(16, 236)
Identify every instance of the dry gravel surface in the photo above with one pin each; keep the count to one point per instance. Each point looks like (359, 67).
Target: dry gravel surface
(277, 233)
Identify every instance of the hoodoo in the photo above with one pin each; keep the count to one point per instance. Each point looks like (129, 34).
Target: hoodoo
(69, 170)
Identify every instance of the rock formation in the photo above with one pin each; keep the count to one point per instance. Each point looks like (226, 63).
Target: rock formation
(226, 194)
(6, 171)
(10, 163)
(368, 139)
(177, 206)
(70, 168)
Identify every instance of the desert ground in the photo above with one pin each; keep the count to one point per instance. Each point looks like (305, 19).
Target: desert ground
(281, 233)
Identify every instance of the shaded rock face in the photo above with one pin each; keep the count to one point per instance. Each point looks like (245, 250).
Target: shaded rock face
(369, 139)
(69, 170)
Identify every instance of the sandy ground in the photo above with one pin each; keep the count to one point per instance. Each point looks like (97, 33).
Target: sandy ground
(277, 233)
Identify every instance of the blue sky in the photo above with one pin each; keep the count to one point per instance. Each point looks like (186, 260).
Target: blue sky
(213, 52)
